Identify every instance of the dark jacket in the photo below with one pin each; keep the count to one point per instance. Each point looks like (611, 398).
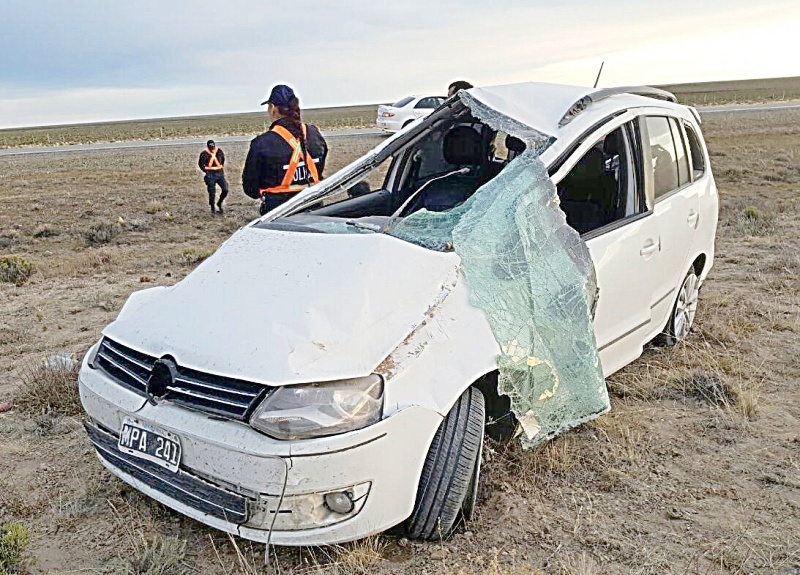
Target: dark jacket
(205, 156)
(269, 157)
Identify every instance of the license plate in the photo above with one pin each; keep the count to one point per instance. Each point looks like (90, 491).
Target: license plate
(147, 442)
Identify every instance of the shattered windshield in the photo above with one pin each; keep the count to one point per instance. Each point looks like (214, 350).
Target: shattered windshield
(475, 185)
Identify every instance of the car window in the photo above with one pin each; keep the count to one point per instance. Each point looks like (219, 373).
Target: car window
(696, 151)
(663, 156)
(680, 150)
(404, 102)
(427, 103)
(601, 187)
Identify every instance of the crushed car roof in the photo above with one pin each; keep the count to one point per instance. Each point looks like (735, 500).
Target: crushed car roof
(548, 107)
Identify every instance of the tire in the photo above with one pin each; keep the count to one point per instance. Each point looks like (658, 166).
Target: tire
(407, 123)
(451, 471)
(683, 312)
(471, 500)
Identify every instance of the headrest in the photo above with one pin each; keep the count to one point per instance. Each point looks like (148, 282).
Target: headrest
(515, 145)
(462, 146)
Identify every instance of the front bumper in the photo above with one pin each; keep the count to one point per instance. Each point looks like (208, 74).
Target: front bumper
(238, 480)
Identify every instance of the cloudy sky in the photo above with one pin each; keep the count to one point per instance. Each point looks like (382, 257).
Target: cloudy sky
(93, 60)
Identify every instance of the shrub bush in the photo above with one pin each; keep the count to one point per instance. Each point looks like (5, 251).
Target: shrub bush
(100, 233)
(14, 269)
(50, 387)
(14, 540)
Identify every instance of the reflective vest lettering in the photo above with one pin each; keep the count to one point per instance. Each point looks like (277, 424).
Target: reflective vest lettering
(300, 167)
(213, 163)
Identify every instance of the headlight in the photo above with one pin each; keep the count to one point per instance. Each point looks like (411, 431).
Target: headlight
(319, 409)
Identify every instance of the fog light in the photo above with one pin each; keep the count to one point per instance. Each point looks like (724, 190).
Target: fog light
(340, 502)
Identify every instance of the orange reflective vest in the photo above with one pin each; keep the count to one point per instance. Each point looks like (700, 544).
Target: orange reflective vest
(213, 163)
(286, 186)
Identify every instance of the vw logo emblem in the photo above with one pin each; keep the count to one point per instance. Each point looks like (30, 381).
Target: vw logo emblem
(162, 375)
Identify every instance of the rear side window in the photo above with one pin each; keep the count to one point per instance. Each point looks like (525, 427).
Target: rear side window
(403, 102)
(680, 150)
(698, 158)
(663, 155)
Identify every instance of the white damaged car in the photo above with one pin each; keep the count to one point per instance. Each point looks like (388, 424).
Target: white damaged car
(331, 370)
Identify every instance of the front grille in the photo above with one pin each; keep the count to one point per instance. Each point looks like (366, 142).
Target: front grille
(223, 396)
(180, 486)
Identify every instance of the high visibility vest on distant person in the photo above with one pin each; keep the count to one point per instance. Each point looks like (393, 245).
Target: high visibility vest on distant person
(213, 164)
(286, 186)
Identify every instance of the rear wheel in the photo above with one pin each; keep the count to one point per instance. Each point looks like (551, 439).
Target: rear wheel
(684, 310)
(407, 123)
(451, 472)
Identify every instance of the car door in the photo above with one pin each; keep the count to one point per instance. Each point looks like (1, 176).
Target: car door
(676, 206)
(424, 107)
(603, 197)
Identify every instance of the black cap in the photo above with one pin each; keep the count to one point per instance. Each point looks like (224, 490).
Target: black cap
(280, 96)
(211, 144)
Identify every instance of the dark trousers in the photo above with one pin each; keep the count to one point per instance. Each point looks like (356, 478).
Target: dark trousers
(212, 179)
(271, 201)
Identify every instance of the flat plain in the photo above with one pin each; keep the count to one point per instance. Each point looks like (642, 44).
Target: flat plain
(696, 470)
(361, 116)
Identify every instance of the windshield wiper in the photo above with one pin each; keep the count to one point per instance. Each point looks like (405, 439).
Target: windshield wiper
(363, 226)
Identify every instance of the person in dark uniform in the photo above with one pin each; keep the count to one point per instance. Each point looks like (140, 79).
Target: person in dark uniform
(212, 162)
(287, 158)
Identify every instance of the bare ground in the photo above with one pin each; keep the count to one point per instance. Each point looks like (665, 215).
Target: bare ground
(696, 470)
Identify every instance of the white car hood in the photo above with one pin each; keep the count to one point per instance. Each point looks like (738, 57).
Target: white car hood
(286, 307)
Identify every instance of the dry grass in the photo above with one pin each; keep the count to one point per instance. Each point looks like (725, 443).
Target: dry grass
(168, 128)
(14, 540)
(45, 231)
(49, 389)
(158, 555)
(192, 256)
(154, 206)
(740, 91)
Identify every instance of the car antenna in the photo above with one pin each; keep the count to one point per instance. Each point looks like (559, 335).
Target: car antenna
(600, 71)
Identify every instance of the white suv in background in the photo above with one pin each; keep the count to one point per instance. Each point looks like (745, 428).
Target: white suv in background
(400, 114)
(328, 372)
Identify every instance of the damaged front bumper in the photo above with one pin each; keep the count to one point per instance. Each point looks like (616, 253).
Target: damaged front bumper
(238, 480)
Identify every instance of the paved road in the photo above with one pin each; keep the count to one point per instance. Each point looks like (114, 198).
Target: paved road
(730, 108)
(162, 143)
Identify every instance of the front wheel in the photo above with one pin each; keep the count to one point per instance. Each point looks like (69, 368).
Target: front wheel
(684, 310)
(449, 480)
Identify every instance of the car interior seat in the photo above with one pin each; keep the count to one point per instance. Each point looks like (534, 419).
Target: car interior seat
(585, 192)
(462, 146)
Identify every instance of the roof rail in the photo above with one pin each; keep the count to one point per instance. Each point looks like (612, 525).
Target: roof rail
(598, 95)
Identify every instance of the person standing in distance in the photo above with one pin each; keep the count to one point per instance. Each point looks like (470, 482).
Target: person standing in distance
(456, 86)
(212, 162)
(287, 158)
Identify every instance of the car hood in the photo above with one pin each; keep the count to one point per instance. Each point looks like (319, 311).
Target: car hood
(279, 307)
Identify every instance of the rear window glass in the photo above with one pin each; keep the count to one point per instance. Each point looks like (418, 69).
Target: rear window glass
(403, 102)
(662, 152)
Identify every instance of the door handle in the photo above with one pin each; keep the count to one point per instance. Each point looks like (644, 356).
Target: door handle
(693, 218)
(650, 247)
